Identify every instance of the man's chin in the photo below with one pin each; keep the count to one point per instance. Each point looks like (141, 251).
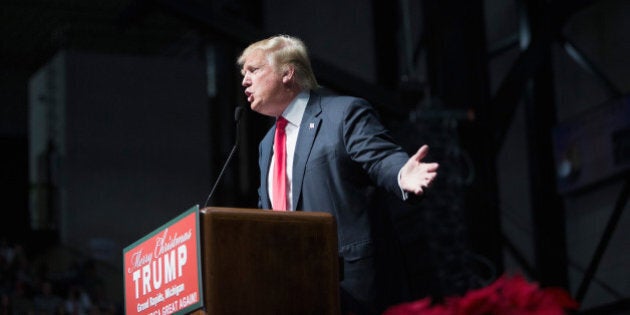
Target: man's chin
(257, 108)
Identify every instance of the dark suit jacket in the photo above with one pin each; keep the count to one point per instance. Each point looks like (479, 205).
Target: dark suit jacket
(342, 152)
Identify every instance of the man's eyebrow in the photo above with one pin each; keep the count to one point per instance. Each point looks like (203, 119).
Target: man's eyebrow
(250, 67)
(246, 68)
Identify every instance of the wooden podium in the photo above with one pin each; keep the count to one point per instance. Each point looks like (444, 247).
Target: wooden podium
(269, 262)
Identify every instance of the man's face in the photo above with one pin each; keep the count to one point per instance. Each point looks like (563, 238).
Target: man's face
(264, 86)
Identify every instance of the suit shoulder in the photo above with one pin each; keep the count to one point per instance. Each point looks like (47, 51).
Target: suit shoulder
(342, 103)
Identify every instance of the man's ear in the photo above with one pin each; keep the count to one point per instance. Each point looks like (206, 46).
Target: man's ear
(287, 74)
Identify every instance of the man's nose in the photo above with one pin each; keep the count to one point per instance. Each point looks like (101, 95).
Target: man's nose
(246, 81)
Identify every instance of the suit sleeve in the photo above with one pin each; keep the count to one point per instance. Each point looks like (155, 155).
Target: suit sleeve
(369, 143)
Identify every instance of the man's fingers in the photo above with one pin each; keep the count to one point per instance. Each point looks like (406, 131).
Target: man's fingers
(418, 175)
(421, 153)
(431, 167)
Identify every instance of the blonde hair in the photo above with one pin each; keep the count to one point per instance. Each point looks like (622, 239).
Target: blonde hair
(282, 51)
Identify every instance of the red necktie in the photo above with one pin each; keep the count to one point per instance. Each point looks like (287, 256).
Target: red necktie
(279, 201)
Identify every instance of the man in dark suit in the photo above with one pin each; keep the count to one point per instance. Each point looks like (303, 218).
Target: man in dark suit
(334, 152)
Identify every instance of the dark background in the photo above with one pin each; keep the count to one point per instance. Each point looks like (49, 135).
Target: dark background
(118, 115)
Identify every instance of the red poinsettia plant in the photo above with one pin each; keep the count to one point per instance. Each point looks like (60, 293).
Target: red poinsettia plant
(508, 295)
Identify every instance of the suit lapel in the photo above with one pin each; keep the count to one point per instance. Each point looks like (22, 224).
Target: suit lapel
(265, 162)
(306, 137)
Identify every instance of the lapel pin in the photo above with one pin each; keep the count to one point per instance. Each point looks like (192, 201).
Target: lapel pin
(311, 126)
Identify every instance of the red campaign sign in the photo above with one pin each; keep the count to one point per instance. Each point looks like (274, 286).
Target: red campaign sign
(162, 271)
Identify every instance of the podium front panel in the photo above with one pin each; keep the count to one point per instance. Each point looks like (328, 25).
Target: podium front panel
(269, 262)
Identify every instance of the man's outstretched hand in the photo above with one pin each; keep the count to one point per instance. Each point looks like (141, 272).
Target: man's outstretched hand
(416, 176)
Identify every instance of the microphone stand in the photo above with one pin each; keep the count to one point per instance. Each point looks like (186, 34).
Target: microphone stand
(238, 112)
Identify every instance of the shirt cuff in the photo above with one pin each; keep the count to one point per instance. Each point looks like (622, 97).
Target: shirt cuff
(404, 194)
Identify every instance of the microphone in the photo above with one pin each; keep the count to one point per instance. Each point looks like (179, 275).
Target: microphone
(238, 113)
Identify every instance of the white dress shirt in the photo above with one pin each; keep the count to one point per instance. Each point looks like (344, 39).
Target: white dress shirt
(293, 114)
